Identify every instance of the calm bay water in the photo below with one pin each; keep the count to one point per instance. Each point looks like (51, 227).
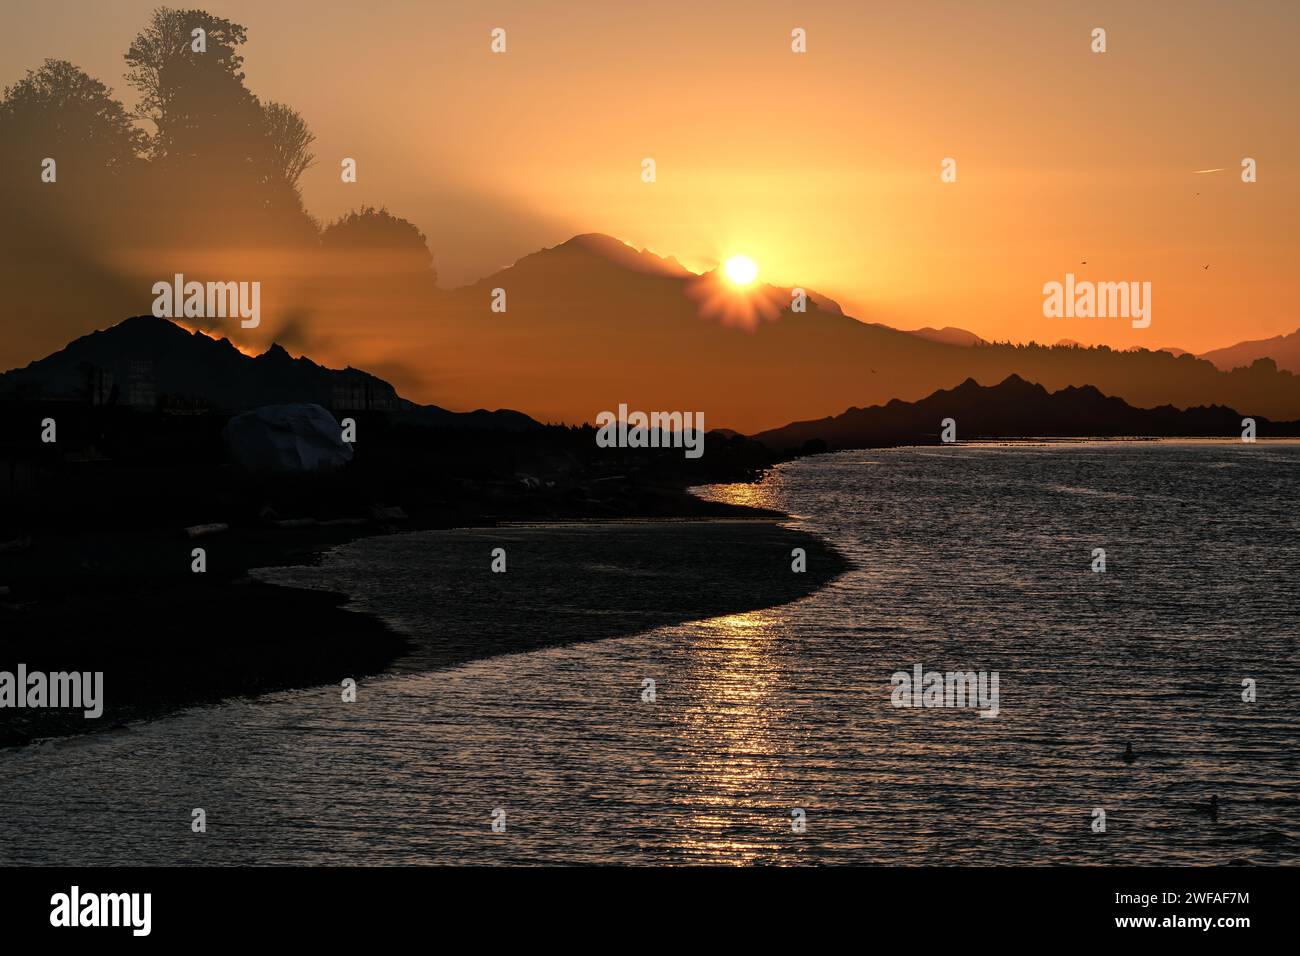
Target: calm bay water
(966, 558)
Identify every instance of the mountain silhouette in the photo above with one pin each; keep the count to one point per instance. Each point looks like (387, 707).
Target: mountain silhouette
(1283, 350)
(948, 335)
(592, 323)
(1013, 408)
(146, 361)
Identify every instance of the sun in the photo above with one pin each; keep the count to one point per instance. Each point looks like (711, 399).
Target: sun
(741, 270)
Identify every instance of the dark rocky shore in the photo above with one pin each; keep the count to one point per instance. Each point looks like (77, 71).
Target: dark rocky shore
(565, 582)
(95, 560)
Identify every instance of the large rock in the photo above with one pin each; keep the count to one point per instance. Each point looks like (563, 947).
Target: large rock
(286, 438)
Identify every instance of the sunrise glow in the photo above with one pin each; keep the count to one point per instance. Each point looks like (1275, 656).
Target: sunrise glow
(741, 270)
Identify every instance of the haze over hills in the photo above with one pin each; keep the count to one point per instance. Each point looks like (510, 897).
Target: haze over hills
(1013, 408)
(592, 323)
(947, 335)
(149, 362)
(145, 360)
(1281, 349)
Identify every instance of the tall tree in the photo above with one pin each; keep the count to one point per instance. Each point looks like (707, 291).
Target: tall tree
(62, 226)
(177, 83)
(60, 112)
(224, 166)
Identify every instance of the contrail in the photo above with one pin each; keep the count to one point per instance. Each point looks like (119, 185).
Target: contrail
(1219, 170)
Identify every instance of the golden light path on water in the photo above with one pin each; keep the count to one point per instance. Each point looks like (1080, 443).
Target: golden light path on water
(728, 730)
(761, 495)
(970, 557)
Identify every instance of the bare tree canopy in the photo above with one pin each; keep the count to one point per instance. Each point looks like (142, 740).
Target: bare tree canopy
(290, 141)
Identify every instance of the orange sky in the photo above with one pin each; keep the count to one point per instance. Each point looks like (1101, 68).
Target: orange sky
(824, 167)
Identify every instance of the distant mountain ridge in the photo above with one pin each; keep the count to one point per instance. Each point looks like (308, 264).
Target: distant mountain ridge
(1013, 408)
(948, 335)
(1284, 350)
(143, 361)
(593, 322)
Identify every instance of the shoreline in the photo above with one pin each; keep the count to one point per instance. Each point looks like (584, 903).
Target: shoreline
(566, 582)
(167, 640)
(1096, 440)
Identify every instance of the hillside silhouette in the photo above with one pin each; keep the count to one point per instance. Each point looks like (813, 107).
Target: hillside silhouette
(1282, 350)
(1013, 408)
(99, 201)
(148, 363)
(591, 323)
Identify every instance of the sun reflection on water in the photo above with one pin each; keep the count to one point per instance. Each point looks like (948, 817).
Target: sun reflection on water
(762, 494)
(729, 736)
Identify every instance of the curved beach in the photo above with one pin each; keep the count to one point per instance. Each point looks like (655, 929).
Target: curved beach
(562, 583)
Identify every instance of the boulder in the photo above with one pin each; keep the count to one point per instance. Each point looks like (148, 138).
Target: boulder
(286, 439)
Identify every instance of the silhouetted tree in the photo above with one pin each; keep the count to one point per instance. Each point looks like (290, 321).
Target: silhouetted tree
(201, 175)
(164, 67)
(401, 243)
(57, 239)
(290, 140)
(223, 167)
(60, 112)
